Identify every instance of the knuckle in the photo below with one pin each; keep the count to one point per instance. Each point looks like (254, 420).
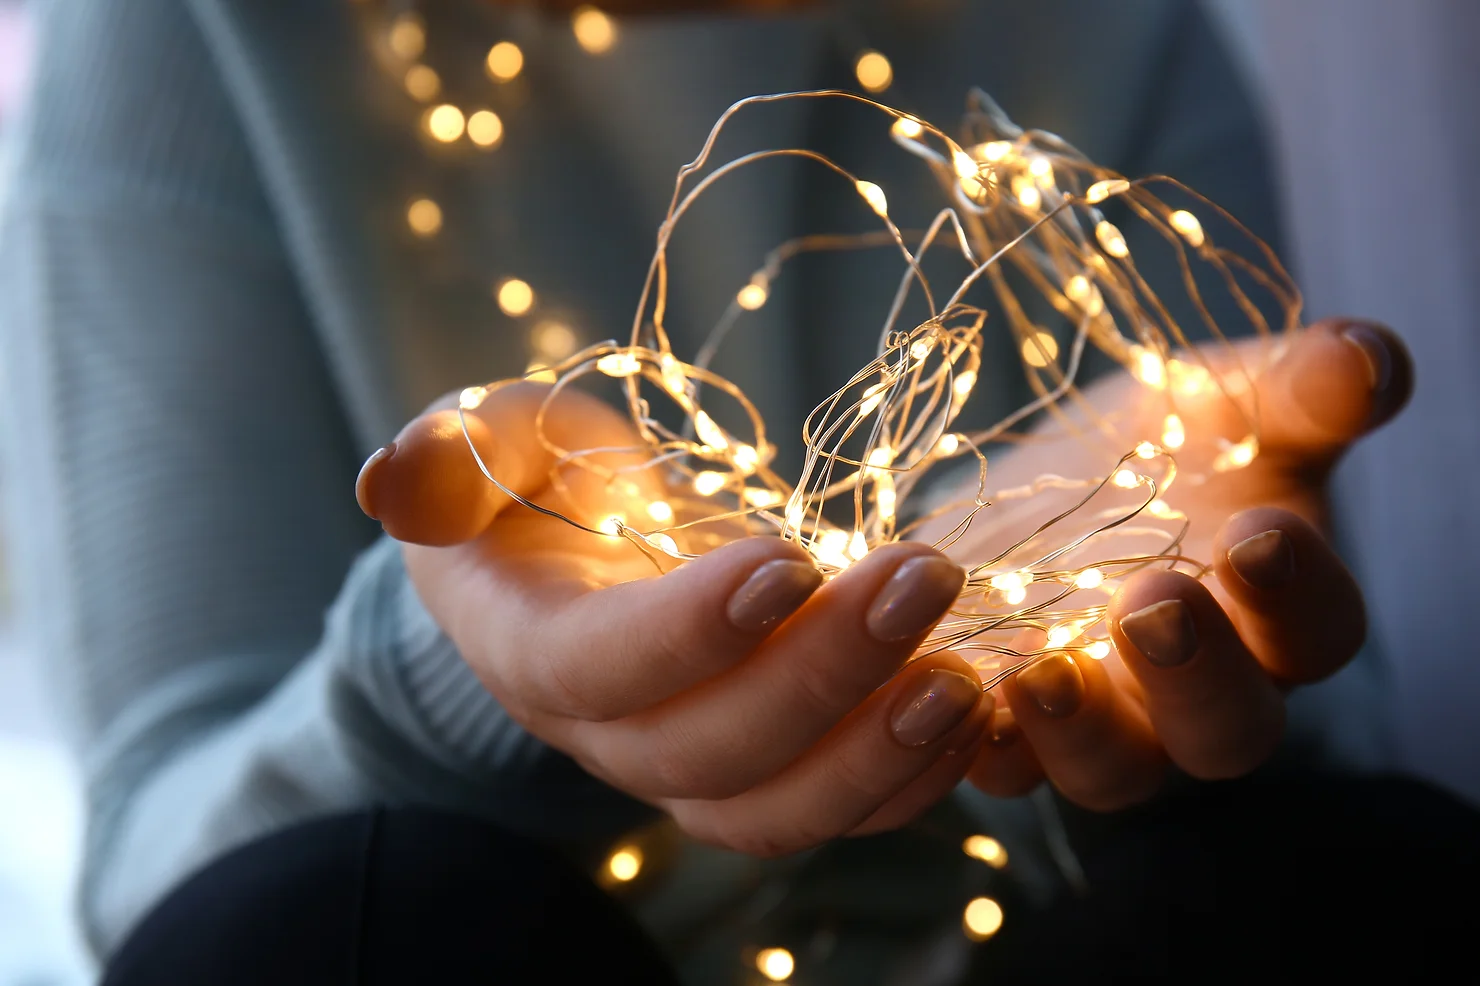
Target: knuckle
(560, 685)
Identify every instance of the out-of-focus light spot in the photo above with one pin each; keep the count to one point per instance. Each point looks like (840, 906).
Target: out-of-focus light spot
(986, 849)
(424, 217)
(594, 30)
(874, 71)
(515, 297)
(485, 128)
(776, 964)
(505, 61)
(422, 83)
(982, 918)
(625, 864)
(1040, 349)
(407, 36)
(445, 123)
(553, 340)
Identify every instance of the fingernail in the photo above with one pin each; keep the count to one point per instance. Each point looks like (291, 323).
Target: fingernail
(1054, 684)
(772, 593)
(1163, 632)
(1264, 561)
(939, 703)
(1004, 729)
(362, 481)
(916, 595)
(1375, 351)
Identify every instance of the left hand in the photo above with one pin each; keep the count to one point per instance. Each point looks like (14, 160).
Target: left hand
(1209, 662)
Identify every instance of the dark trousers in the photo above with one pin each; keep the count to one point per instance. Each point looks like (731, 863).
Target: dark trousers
(1260, 880)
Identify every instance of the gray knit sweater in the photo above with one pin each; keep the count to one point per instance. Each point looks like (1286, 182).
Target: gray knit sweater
(212, 311)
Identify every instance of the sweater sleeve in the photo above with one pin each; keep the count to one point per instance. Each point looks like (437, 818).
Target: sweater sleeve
(180, 477)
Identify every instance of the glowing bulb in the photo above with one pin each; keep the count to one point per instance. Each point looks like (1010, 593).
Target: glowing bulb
(752, 296)
(1160, 508)
(795, 512)
(709, 433)
(965, 381)
(660, 511)
(907, 128)
(885, 499)
(407, 37)
(1149, 368)
(965, 164)
(874, 196)
(1063, 634)
(986, 849)
(709, 482)
(1090, 578)
(1099, 650)
(625, 864)
(880, 458)
(505, 61)
(874, 71)
(1026, 192)
(485, 128)
(1011, 581)
(1237, 456)
(1146, 450)
(1186, 223)
(422, 83)
(424, 217)
(674, 380)
(1040, 349)
(775, 964)
(612, 525)
(872, 398)
(553, 340)
(1188, 378)
(445, 122)
(594, 31)
(973, 189)
(539, 372)
(471, 398)
(1172, 433)
(619, 364)
(982, 918)
(1085, 294)
(664, 543)
(948, 444)
(994, 151)
(1102, 190)
(1041, 169)
(758, 497)
(1110, 239)
(857, 546)
(1016, 596)
(832, 542)
(1126, 479)
(515, 297)
(920, 348)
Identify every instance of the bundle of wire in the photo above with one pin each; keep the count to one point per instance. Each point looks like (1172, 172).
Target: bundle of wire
(1022, 209)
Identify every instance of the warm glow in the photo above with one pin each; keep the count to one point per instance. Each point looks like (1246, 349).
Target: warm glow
(709, 433)
(1026, 192)
(965, 380)
(965, 164)
(857, 546)
(594, 31)
(1090, 578)
(874, 71)
(1063, 634)
(472, 397)
(1016, 596)
(407, 37)
(905, 127)
(445, 123)
(515, 297)
(505, 61)
(986, 849)
(872, 398)
(424, 217)
(996, 150)
(1237, 456)
(1110, 239)
(422, 83)
(759, 497)
(539, 372)
(1146, 450)
(553, 340)
(982, 918)
(746, 458)
(775, 964)
(664, 543)
(1085, 294)
(1011, 581)
(1042, 170)
(1099, 650)
(1102, 190)
(709, 482)
(619, 364)
(752, 296)
(1040, 349)
(660, 511)
(485, 128)
(625, 863)
(1172, 433)
(874, 196)
(948, 444)
(612, 525)
(1126, 479)
(1186, 223)
(1149, 368)
(886, 499)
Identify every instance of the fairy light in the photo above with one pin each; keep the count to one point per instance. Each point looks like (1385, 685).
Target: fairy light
(624, 864)
(776, 964)
(752, 296)
(595, 32)
(1238, 455)
(424, 217)
(1173, 435)
(874, 196)
(873, 70)
(553, 340)
(1102, 190)
(982, 918)
(1097, 650)
(1186, 223)
(1126, 479)
(1040, 349)
(709, 433)
(1090, 578)
(539, 372)
(1145, 450)
(1041, 168)
(994, 151)
(906, 128)
(472, 398)
(966, 166)
(661, 511)
(948, 444)
(1080, 290)
(407, 37)
(1026, 192)
(755, 496)
(515, 297)
(746, 458)
(1111, 241)
(485, 128)
(504, 62)
(986, 849)
(445, 122)
(422, 83)
(1148, 367)
(709, 482)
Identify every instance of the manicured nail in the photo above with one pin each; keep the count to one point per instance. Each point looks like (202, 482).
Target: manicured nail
(938, 704)
(916, 595)
(363, 493)
(1163, 632)
(772, 593)
(1375, 351)
(1004, 729)
(1054, 684)
(1265, 560)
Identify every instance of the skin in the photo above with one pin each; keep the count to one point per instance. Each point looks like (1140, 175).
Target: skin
(775, 740)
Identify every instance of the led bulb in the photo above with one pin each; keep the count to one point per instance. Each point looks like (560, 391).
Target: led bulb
(1099, 650)
(515, 297)
(1172, 433)
(965, 164)
(619, 364)
(709, 482)
(1186, 223)
(747, 458)
(485, 129)
(776, 964)
(625, 864)
(424, 217)
(1090, 578)
(1040, 349)
(422, 83)
(710, 433)
(1110, 239)
(994, 151)
(1126, 479)
(907, 128)
(948, 444)
(1102, 190)
(471, 398)
(752, 296)
(1146, 450)
(874, 196)
(660, 511)
(982, 918)
(986, 849)
(445, 122)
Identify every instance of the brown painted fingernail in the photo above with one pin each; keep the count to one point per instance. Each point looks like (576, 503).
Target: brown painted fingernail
(940, 702)
(916, 595)
(1004, 729)
(363, 494)
(1374, 349)
(1163, 632)
(1054, 684)
(1265, 560)
(772, 593)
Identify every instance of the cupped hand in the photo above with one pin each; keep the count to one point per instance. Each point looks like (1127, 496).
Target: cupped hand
(1209, 661)
(762, 710)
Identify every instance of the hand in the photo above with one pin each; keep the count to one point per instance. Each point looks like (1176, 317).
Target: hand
(763, 711)
(1204, 665)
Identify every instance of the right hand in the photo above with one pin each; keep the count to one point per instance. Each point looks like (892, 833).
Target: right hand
(764, 711)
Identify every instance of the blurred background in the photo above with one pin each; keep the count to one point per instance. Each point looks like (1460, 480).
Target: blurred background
(1371, 105)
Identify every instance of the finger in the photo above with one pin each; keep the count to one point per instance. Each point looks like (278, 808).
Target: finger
(425, 487)
(889, 743)
(1295, 604)
(602, 655)
(1214, 707)
(1006, 766)
(1094, 743)
(732, 732)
